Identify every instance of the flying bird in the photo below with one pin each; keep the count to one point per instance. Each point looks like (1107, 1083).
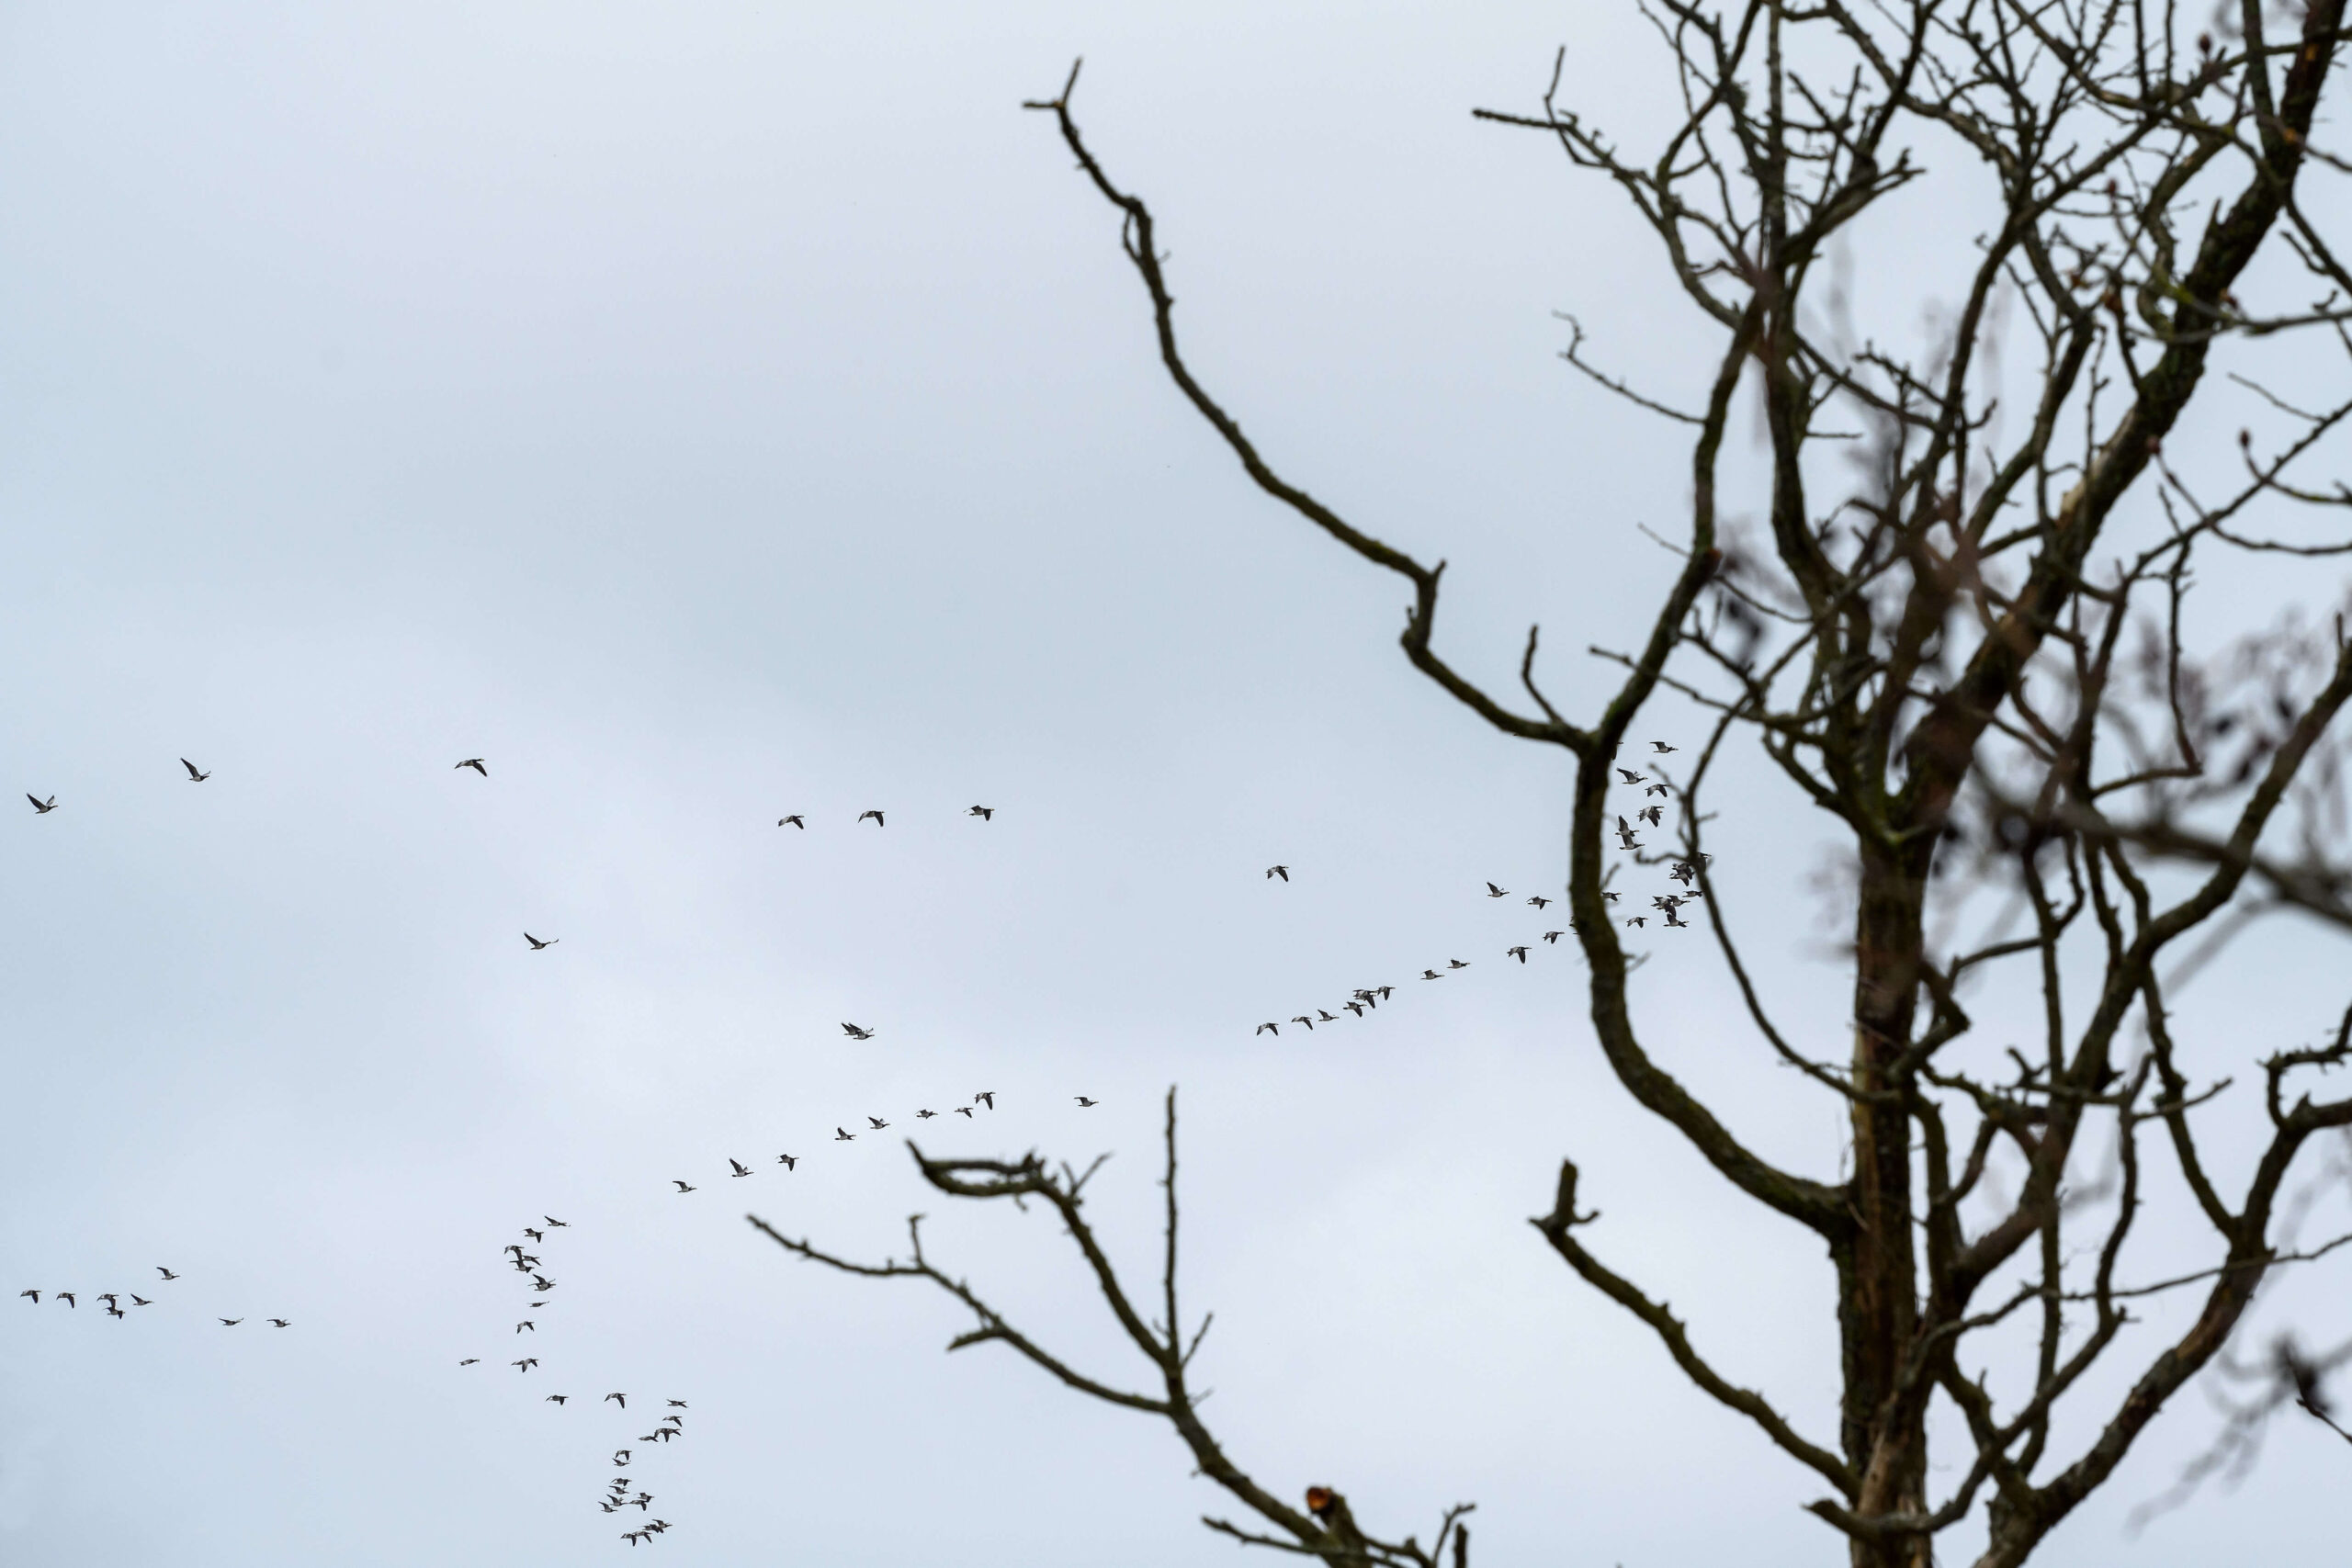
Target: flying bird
(879, 1122)
(554, 1223)
(925, 1115)
(740, 1168)
(166, 1272)
(619, 1399)
(1650, 813)
(117, 1312)
(678, 1405)
(67, 1297)
(556, 1398)
(1455, 963)
(1431, 974)
(620, 1456)
(681, 1186)
(985, 813)
(138, 1301)
(195, 774)
(42, 808)
(1518, 952)
(988, 1095)
(1552, 936)
(963, 1111)
(109, 1297)
(1660, 747)
(1355, 1007)
(1323, 1015)
(476, 764)
(856, 1032)
(279, 1323)
(526, 1323)
(527, 1363)
(841, 1137)
(536, 944)
(33, 1295)
(1660, 788)
(875, 815)
(1539, 900)
(787, 1161)
(1302, 1017)
(1495, 892)
(794, 819)
(1082, 1101)
(1638, 920)
(1629, 775)
(534, 1236)
(469, 1360)
(1626, 839)
(1281, 871)
(1268, 1027)
(230, 1322)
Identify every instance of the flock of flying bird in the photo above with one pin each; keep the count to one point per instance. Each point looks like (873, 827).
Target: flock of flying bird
(114, 1299)
(1365, 999)
(618, 1494)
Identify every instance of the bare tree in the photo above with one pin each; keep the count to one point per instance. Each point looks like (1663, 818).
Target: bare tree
(1968, 648)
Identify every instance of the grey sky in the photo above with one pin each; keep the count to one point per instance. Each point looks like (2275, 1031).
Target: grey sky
(706, 412)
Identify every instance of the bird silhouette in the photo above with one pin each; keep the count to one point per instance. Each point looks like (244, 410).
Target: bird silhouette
(230, 1322)
(536, 944)
(1268, 1027)
(619, 1399)
(1355, 1007)
(787, 1161)
(526, 1323)
(875, 815)
(1495, 892)
(195, 774)
(279, 1323)
(527, 1363)
(985, 813)
(1082, 1101)
(166, 1272)
(740, 1168)
(1626, 839)
(1431, 974)
(476, 764)
(987, 1095)
(1539, 900)
(857, 1031)
(841, 1137)
(678, 1405)
(67, 1297)
(963, 1111)
(469, 1360)
(1455, 963)
(1552, 936)
(1302, 1017)
(1638, 920)
(138, 1301)
(1281, 871)
(42, 808)
(1661, 748)
(556, 1224)
(1518, 952)
(925, 1115)
(117, 1312)
(1323, 1015)
(879, 1122)
(1629, 775)
(794, 819)
(681, 1186)
(34, 1296)
(1650, 813)
(1660, 788)
(558, 1398)
(534, 1234)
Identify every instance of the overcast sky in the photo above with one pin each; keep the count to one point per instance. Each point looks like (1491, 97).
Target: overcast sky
(705, 412)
